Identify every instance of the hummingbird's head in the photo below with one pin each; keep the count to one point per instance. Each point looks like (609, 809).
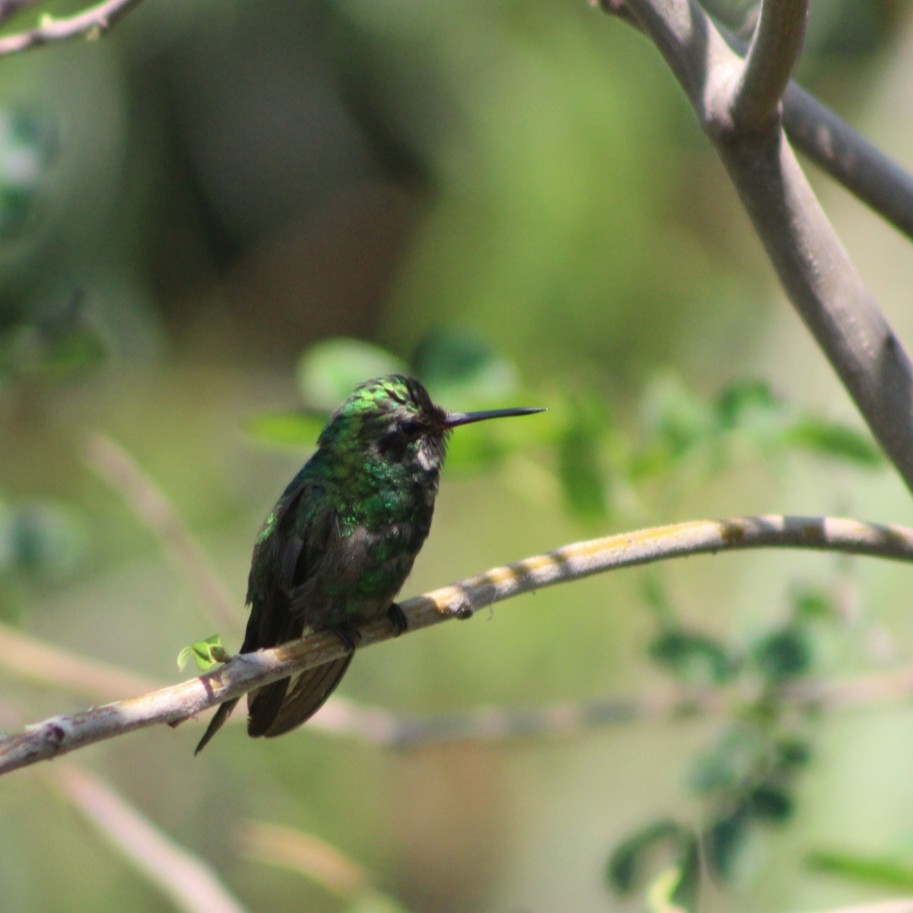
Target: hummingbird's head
(393, 418)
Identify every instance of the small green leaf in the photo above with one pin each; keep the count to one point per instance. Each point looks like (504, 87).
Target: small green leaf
(661, 893)
(693, 657)
(783, 655)
(726, 767)
(743, 402)
(725, 842)
(627, 866)
(581, 470)
(880, 871)
(770, 802)
(462, 370)
(792, 753)
(205, 653)
(329, 371)
(837, 441)
(809, 604)
(680, 419)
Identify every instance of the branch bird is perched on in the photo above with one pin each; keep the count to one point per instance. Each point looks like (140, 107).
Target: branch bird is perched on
(340, 542)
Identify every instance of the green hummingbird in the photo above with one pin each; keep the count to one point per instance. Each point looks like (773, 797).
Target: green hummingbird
(340, 542)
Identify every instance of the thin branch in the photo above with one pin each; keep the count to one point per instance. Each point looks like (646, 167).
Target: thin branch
(186, 879)
(308, 856)
(774, 50)
(888, 906)
(89, 24)
(813, 267)
(497, 724)
(848, 157)
(113, 464)
(61, 734)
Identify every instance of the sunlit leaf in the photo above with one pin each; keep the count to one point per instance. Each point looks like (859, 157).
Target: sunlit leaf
(328, 371)
(205, 653)
(584, 477)
(629, 863)
(880, 871)
(809, 604)
(839, 442)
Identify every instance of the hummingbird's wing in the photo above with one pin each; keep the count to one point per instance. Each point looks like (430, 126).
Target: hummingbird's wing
(297, 704)
(302, 537)
(275, 564)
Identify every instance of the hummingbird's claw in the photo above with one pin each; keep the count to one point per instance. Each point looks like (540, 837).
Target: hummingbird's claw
(349, 636)
(397, 619)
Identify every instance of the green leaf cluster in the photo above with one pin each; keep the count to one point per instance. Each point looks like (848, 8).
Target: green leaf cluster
(460, 371)
(748, 778)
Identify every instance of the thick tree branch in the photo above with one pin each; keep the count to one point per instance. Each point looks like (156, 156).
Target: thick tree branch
(65, 733)
(774, 51)
(813, 267)
(831, 143)
(90, 23)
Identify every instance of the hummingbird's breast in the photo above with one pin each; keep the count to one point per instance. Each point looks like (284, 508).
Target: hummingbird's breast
(380, 526)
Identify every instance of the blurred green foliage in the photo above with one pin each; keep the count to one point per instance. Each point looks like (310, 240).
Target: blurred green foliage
(223, 216)
(749, 777)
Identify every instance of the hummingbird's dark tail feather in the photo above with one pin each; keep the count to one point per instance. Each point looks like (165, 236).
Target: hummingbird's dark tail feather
(215, 724)
(263, 706)
(305, 697)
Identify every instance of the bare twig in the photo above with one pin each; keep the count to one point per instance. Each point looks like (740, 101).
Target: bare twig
(813, 267)
(187, 880)
(90, 23)
(113, 464)
(65, 733)
(888, 906)
(496, 724)
(773, 53)
(308, 856)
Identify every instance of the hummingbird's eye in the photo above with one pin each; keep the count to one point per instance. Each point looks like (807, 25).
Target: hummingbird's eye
(411, 428)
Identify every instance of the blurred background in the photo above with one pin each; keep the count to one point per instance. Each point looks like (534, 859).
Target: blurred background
(216, 219)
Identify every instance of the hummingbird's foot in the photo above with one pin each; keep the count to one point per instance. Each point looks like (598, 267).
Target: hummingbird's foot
(397, 619)
(349, 636)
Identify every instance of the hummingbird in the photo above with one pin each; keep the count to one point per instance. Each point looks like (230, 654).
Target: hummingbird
(341, 540)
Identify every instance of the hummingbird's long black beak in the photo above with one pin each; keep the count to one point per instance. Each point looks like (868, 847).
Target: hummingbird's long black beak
(454, 419)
